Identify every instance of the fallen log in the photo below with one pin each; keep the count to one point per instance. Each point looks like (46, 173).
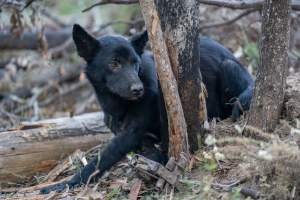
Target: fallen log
(36, 147)
(30, 40)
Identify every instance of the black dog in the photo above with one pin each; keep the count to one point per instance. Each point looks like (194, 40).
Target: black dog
(126, 84)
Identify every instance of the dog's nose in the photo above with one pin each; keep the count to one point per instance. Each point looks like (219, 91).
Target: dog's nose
(137, 89)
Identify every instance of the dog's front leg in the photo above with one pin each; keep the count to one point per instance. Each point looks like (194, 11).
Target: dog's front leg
(120, 145)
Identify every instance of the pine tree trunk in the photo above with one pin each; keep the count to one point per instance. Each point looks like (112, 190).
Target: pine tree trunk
(271, 77)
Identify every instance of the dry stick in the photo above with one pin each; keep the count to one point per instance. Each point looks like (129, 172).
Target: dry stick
(233, 4)
(238, 4)
(214, 25)
(53, 18)
(103, 2)
(178, 140)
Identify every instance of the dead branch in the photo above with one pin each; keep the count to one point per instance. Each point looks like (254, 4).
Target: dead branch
(233, 4)
(228, 187)
(103, 2)
(53, 18)
(215, 25)
(224, 128)
(37, 146)
(64, 165)
(243, 4)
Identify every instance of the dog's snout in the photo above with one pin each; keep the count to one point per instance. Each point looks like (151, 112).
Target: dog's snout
(137, 89)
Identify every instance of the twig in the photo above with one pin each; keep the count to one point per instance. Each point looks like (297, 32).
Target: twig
(228, 187)
(242, 4)
(233, 4)
(103, 2)
(64, 46)
(27, 5)
(103, 26)
(214, 25)
(11, 117)
(90, 178)
(53, 18)
(33, 188)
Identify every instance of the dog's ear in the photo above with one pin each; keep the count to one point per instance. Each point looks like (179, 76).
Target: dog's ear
(86, 45)
(139, 41)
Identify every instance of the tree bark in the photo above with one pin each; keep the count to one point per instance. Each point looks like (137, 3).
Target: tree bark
(37, 147)
(270, 84)
(178, 141)
(292, 97)
(181, 33)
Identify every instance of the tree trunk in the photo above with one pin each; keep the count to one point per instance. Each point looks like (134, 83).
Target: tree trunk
(268, 97)
(178, 141)
(292, 97)
(180, 24)
(37, 147)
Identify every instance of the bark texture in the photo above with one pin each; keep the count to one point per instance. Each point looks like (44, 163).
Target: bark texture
(177, 127)
(271, 77)
(37, 147)
(180, 25)
(292, 97)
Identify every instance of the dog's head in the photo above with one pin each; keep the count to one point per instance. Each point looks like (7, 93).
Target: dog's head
(113, 62)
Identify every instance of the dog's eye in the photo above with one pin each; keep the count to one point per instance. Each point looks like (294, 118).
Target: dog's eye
(115, 65)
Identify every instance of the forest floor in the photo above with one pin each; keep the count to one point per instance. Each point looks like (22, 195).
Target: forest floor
(236, 162)
(242, 164)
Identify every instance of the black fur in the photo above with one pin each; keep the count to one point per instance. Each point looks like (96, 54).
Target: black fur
(125, 81)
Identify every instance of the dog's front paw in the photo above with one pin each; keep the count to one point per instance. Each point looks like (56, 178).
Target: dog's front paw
(237, 110)
(57, 187)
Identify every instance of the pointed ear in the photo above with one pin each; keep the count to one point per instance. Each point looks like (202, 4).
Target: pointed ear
(86, 45)
(139, 42)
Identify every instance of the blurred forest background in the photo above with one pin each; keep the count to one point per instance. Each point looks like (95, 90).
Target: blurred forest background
(38, 57)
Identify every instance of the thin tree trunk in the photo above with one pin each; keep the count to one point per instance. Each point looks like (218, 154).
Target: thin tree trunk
(180, 24)
(178, 141)
(271, 77)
